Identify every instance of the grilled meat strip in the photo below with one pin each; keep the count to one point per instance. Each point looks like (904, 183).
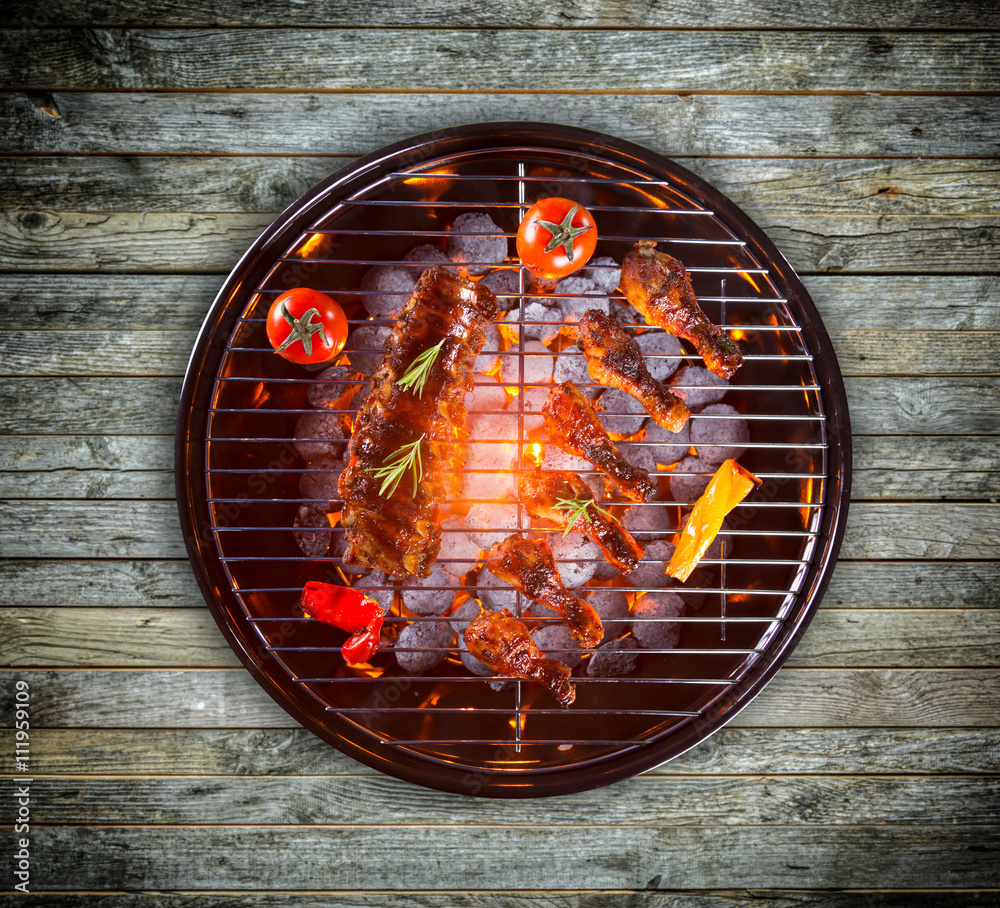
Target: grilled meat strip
(658, 287)
(499, 640)
(572, 425)
(399, 533)
(529, 566)
(614, 359)
(542, 491)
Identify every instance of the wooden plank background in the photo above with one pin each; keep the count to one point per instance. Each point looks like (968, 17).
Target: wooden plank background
(144, 145)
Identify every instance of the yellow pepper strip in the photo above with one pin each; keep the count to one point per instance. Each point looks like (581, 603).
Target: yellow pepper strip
(726, 489)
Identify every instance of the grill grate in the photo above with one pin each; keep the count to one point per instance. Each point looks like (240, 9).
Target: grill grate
(505, 734)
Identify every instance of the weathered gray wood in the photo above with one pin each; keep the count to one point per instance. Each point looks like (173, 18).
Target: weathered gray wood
(911, 585)
(519, 857)
(126, 241)
(230, 698)
(294, 751)
(212, 243)
(643, 898)
(154, 352)
(976, 14)
(107, 584)
(845, 301)
(96, 637)
(230, 183)
(150, 529)
(142, 406)
(463, 60)
(645, 801)
(350, 124)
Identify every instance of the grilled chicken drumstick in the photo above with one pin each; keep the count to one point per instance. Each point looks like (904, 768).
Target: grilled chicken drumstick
(572, 425)
(414, 432)
(499, 640)
(658, 287)
(542, 492)
(614, 359)
(529, 566)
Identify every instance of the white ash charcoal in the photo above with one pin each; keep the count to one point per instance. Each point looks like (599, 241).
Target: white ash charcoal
(651, 626)
(624, 314)
(649, 521)
(494, 594)
(488, 359)
(688, 488)
(582, 295)
(604, 272)
(661, 352)
(612, 606)
(576, 558)
(620, 413)
(571, 366)
(368, 585)
(458, 554)
(319, 480)
(312, 531)
(533, 366)
(495, 427)
(490, 523)
(606, 571)
(333, 384)
(421, 599)
(425, 255)
(704, 387)
(486, 395)
(552, 637)
(476, 254)
(495, 457)
(652, 571)
(505, 286)
(385, 290)
(616, 657)
(320, 434)
(670, 447)
(542, 321)
(555, 458)
(530, 403)
(364, 347)
(719, 432)
(431, 642)
(490, 486)
(471, 662)
(464, 615)
(693, 590)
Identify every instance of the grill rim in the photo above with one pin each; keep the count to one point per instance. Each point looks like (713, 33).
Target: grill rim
(263, 666)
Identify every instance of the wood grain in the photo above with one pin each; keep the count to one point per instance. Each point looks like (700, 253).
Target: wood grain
(699, 801)
(150, 529)
(811, 14)
(288, 752)
(459, 60)
(696, 857)
(354, 123)
(176, 637)
(759, 186)
(230, 698)
(94, 302)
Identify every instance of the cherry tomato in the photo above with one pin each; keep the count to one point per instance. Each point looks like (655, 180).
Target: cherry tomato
(306, 326)
(556, 237)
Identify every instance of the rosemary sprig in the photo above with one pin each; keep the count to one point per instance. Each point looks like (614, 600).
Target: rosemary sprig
(391, 472)
(416, 376)
(577, 508)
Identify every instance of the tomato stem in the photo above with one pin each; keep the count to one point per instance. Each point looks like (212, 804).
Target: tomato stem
(564, 233)
(302, 329)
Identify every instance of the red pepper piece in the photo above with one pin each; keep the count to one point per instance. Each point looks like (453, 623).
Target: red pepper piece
(348, 609)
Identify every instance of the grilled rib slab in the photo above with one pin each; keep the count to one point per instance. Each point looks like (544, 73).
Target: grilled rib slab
(499, 640)
(542, 491)
(614, 359)
(658, 287)
(400, 534)
(572, 425)
(529, 566)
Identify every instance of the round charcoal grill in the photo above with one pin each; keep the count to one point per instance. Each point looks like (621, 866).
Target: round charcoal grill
(239, 467)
